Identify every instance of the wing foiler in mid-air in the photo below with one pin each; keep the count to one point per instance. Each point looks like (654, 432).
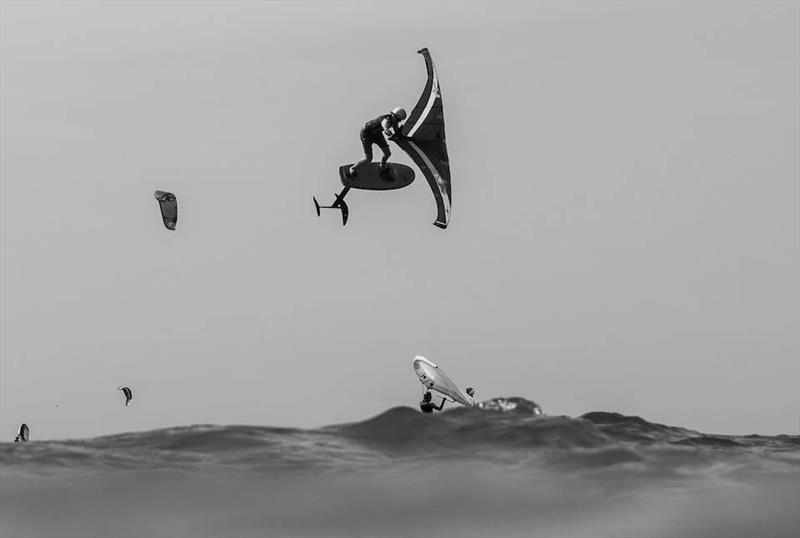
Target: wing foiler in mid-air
(24, 434)
(433, 378)
(169, 208)
(128, 394)
(422, 138)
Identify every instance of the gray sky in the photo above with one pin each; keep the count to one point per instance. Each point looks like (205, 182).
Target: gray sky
(624, 233)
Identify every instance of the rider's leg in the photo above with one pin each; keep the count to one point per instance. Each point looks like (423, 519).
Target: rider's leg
(367, 145)
(386, 154)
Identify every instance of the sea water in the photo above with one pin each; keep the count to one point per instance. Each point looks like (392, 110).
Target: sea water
(465, 472)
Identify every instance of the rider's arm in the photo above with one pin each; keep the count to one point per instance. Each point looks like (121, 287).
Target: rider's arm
(386, 125)
(390, 128)
(441, 404)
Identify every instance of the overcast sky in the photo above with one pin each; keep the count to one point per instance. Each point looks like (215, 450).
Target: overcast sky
(624, 233)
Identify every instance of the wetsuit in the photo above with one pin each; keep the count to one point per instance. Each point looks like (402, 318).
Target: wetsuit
(429, 407)
(372, 133)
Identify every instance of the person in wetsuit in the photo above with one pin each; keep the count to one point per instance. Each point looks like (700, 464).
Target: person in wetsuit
(427, 406)
(373, 132)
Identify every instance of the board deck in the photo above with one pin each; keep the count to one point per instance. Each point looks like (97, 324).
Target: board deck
(369, 177)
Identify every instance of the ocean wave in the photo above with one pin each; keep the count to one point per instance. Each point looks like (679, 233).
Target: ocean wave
(513, 434)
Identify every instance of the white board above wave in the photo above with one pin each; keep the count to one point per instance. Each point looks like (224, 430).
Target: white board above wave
(434, 379)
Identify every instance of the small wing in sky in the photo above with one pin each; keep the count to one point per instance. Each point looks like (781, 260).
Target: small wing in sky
(169, 208)
(128, 394)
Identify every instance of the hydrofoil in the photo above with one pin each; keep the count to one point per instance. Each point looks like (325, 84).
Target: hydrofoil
(368, 177)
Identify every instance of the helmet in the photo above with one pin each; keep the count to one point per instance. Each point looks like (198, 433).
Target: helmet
(399, 112)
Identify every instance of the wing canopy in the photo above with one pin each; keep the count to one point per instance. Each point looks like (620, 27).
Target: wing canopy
(24, 434)
(424, 141)
(128, 394)
(169, 208)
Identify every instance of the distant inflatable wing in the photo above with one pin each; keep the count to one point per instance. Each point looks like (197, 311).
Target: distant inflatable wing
(423, 139)
(128, 394)
(169, 208)
(24, 433)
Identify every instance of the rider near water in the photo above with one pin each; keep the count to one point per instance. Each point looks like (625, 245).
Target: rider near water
(373, 133)
(427, 406)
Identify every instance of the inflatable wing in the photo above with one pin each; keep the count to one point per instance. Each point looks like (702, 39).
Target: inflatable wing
(169, 208)
(424, 141)
(128, 394)
(24, 434)
(433, 378)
